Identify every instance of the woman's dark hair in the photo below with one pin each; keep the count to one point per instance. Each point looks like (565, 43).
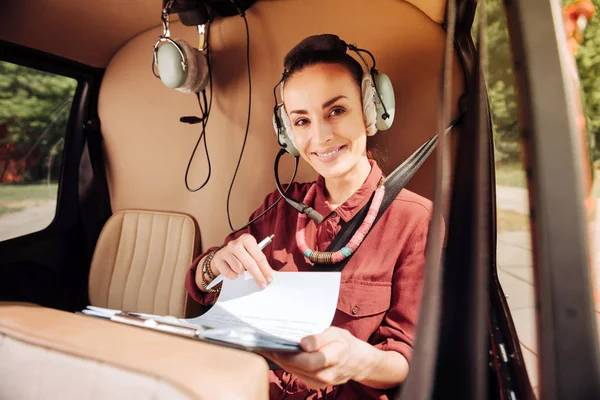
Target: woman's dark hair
(327, 49)
(309, 58)
(321, 49)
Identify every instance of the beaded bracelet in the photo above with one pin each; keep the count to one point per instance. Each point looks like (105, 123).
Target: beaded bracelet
(206, 271)
(208, 261)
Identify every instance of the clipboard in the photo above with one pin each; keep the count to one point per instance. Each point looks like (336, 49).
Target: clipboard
(276, 318)
(239, 338)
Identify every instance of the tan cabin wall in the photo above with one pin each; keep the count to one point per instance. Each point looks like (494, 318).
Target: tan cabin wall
(88, 31)
(91, 32)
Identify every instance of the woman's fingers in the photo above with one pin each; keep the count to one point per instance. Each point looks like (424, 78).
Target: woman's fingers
(227, 264)
(310, 378)
(261, 260)
(316, 342)
(326, 357)
(243, 254)
(250, 264)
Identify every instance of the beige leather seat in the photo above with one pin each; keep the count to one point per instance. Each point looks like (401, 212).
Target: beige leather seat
(140, 262)
(51, 354)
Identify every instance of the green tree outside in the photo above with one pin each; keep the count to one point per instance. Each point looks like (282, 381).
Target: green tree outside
(502, 95)
(34, 111)
(588, 63)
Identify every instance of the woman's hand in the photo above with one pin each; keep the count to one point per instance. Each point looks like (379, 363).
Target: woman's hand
(239, 255)
(331, 358)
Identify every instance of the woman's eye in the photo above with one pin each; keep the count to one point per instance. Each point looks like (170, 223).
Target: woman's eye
(301, 122)
(337, 111)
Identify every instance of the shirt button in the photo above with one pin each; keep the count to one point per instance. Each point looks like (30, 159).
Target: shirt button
(354, 310)
(334, 214)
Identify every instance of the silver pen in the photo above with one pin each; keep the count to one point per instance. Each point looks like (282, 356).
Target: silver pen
(263, 243)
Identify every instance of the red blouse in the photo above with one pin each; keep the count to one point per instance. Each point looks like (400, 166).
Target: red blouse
(381, 284)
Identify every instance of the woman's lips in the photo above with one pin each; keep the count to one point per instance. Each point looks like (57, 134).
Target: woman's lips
(330, 154)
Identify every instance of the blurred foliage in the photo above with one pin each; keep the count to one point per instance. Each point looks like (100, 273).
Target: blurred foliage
(500, 80)
(588, 64)
(34, 111)
(501, 88)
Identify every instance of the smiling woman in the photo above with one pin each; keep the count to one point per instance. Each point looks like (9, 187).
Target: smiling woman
(330, 107)
(327, 121)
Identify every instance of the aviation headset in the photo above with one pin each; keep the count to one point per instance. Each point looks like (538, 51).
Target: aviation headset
(180, 65)
(378, 99)
(187, 69)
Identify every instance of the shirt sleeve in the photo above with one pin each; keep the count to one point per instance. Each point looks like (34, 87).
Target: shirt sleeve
(256, 229)
(397, 330)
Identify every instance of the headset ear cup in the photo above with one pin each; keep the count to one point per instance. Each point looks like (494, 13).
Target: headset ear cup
(172, 67)
(368, 103)
(386, 95)
(188, 74)
(197, 69)
(283, 130)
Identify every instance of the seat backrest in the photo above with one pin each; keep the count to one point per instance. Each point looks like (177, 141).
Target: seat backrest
(140, 262)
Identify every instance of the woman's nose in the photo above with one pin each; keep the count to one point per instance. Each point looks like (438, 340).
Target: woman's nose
(323, 132)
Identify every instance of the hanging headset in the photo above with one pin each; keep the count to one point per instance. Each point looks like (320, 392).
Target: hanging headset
(180, 65)
(187, 69)
(378, 102)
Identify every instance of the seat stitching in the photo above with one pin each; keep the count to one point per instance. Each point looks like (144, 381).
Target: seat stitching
(162, 263)
(137, 230)
(114, 264)
(145, 264)
(175, 265)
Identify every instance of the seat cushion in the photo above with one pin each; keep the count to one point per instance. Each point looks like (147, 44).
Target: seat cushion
(52, 354)
(24, 375)
(140, 262)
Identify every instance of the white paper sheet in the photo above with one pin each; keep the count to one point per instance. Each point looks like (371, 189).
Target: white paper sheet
(294, 305)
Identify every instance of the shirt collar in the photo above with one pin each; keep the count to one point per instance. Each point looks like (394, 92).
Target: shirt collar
(355, 203)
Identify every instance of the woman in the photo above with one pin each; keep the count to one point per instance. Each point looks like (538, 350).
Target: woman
(366, 352)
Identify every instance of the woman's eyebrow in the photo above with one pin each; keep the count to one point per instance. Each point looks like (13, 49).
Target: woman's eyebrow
(325, 105)
(330, 102)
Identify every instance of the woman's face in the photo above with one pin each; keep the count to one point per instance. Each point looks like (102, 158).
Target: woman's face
(324, 106)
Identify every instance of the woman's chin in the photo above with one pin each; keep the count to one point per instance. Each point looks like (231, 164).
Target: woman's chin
(331, 170)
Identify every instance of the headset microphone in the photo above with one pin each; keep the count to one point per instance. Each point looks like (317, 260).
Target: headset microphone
(191, 120)
(298, 206)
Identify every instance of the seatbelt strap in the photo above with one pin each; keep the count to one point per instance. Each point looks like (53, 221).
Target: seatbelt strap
(94, 199)
(393, 183)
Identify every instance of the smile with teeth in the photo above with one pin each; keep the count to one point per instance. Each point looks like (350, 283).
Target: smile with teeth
(329, 153)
